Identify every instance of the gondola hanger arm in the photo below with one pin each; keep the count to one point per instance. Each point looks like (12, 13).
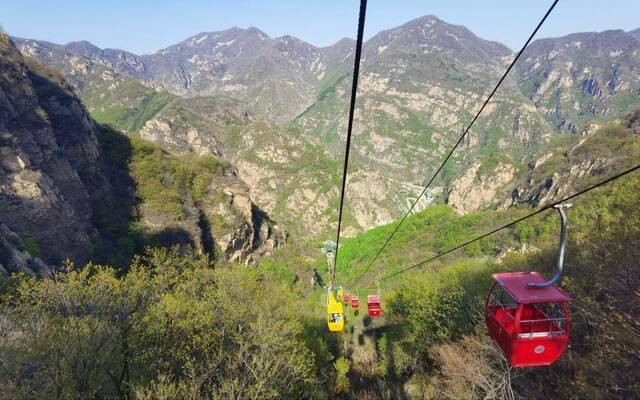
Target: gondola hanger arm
(561, 250)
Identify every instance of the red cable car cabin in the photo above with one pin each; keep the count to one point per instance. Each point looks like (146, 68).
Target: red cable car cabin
(530, 325)
(373, 305)
(355, 302)
(345, 298)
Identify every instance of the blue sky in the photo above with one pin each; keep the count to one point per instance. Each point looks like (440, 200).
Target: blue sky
(143, 26)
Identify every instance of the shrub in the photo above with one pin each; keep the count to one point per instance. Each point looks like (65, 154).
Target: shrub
(32, 246)
(172, 327)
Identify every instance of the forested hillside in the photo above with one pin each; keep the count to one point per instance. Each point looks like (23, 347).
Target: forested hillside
(173, 327)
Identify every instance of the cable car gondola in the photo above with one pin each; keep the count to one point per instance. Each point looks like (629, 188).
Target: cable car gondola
(355, 302)
(335, 313)
(373, 305)
(528, 317)
(530, 325)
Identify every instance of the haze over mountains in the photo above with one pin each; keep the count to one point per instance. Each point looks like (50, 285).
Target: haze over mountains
(275, 109)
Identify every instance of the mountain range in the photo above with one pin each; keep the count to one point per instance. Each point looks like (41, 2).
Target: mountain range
(71, 189)
(275, 110)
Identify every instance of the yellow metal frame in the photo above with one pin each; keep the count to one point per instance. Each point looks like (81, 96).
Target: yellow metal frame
(335, 313)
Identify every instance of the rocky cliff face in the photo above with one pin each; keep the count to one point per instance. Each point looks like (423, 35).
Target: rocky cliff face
(569, 166)
(474, 191)
(201, 125)
(199, 201)
(16, 257)
(52, 180)
(245, 232)
(582, 77)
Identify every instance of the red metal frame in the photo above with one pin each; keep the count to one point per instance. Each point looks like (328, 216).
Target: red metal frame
(519, 285)
(373, 305)
(525, 333)
(345, 298)
(355, 302)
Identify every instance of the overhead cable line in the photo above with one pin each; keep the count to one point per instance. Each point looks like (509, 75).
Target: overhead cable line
(352, 106)
(512, 223)
(466, 131)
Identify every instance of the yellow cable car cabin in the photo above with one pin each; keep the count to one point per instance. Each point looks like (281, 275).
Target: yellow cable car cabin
(335, 313)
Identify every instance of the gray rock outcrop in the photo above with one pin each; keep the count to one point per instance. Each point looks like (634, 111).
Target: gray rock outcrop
(51, 172)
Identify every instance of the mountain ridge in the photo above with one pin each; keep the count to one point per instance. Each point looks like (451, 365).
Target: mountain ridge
(420, 83)
(18, 39)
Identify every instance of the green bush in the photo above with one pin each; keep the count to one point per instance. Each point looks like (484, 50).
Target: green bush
(170, 322)
(31, 245)
(163, 180)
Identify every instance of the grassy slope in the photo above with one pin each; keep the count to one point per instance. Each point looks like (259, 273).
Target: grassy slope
(146, 176)
(128, 106)
(163, 180)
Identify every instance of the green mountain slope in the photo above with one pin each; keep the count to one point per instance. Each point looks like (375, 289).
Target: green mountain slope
(576, 163)
(186, 200)
(124, 103)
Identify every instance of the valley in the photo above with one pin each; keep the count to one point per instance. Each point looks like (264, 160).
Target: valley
(162, 216)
